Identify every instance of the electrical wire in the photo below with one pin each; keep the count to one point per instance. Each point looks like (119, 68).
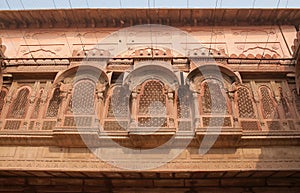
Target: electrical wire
(70, 50)
(77, 28)
(33, 19)
(268, 37)
(213, 25)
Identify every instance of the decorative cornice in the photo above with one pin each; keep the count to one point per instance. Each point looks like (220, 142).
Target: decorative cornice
(64, 18)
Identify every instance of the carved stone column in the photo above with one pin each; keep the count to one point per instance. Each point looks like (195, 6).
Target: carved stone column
(233, 105)
(134, 106)
(170, 109)
(100, 106)
(196, 109)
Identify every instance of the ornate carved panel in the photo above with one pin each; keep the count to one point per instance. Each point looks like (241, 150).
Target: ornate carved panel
(152, 109)
(3, 94)
(118, 103)
(284, 104)
(115, 125)
(54, 104)
(19, 105)
(217, 121)
(48, 125)
(81, 121)
(12, 125)
(152, 99)
(183, 103)
(83, 98)
(297, 101)
(37, 105)
(245, 103)
(212, 98)
(268, 105)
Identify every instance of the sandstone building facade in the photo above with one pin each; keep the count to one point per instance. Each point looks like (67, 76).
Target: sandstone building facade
(87, 94)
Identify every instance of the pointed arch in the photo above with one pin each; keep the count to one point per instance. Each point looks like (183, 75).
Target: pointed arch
(268, 104)
(19, 106)
(54, 104)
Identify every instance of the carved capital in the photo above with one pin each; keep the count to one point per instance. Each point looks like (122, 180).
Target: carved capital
(170, 95)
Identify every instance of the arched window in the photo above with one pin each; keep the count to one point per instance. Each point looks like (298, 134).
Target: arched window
(269, 109)
(246, 109)
(19, 105)
(36, 108)
(118, 103)
(83, 98)
(152, 100)
(214, 104)
(54, 104)
(213, 99)
(3, 94)
(152, 109)
(245, 103)
(81, 106)
(268, 105)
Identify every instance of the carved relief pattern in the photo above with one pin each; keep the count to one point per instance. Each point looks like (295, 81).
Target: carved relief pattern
(48, 125)
(36, 109)
(54, 104)
(19, 105)
(78, 121)
(84, 98)
(2, 97)
(12, 125)
(297, 101)
(115, 125)
(213, 99)
(268, 107)
(245, 104)
(216, 121)
(250, 125)
(183, 104)
(152, 99)
(284, 104)
(152, 122)
(118, 104)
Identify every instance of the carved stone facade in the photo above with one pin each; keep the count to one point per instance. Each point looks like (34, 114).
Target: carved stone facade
(61, 86)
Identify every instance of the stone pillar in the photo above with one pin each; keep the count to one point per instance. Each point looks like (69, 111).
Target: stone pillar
(170, 109)
(134, 106)
(99, 107)
(235, 114)
(196, 109)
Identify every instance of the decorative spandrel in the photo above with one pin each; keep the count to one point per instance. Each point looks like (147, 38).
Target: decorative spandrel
(54, 104)
(269, 110)
(19, 104)
(152, 100)
(245, 103)
(118, 104)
